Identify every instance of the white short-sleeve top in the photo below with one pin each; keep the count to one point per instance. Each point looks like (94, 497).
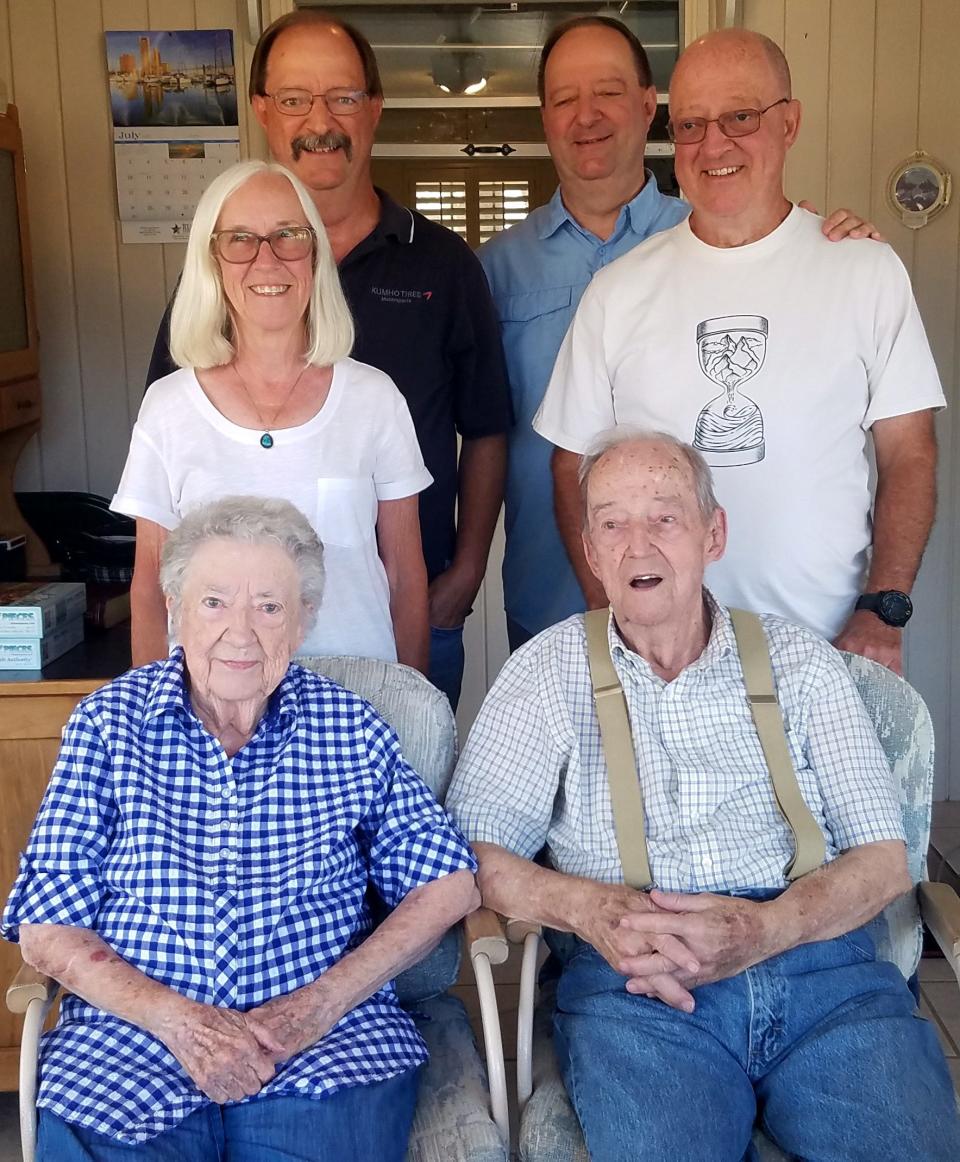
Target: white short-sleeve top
(359, 449)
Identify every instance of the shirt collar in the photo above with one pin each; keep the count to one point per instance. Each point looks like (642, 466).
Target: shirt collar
(639, 211)
(719, 646)
(168, 694)
(396, 221)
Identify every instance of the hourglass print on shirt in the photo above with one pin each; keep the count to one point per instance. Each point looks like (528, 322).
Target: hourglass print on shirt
(729, 427)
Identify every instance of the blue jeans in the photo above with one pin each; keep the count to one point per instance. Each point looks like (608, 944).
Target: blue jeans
(446, 661)
(822, 1043)
(359, 1124)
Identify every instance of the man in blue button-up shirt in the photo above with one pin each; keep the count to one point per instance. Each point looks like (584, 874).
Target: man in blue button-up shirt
(597, 103)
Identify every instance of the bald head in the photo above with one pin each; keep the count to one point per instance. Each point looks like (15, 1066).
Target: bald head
(738, 46)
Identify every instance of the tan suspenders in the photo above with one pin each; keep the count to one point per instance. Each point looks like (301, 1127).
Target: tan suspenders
(626, 794)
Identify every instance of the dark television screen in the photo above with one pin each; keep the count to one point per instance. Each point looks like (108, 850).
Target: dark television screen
(13, 306)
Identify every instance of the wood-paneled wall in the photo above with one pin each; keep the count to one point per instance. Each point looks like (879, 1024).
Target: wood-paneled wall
(877, 81)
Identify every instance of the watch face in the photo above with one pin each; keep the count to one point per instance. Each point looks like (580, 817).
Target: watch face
(895, 608)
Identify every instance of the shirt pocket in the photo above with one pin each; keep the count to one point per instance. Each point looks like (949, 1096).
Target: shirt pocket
(534, 304)
(346, 510)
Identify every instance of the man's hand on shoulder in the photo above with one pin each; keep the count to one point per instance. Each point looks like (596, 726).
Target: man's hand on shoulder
(845, 224)
(867, 635)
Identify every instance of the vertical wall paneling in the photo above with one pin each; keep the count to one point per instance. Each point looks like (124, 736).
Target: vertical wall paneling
(29, 474)
(40, 101)
(896, 100)
(766, 16)
(936, 637)
(807, 45)
(850, 106)
(6, 62)
(142, 291)
(91, 196)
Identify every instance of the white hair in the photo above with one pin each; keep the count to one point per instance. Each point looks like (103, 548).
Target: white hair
(606, 441)
(201, 326)
(257, 520)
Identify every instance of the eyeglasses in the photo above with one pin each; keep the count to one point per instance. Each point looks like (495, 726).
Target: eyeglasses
(737, 123)
(299, 102)
(289, 243)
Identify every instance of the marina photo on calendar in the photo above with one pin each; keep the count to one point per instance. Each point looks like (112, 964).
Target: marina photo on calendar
(172, 78)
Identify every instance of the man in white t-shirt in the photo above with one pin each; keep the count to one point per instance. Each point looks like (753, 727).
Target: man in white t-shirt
(775, 353)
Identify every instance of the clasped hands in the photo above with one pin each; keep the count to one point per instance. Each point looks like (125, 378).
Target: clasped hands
(232, 1055)
(668, 943)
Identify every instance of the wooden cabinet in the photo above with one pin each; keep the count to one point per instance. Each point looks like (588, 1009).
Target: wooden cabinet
(32, 715)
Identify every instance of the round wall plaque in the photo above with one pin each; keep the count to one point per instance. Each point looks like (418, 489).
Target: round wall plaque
(919, 188)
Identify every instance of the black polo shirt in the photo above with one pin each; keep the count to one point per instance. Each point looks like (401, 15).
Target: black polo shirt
(423, 314)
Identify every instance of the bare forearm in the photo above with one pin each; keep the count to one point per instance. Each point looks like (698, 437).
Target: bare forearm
(902, 520)
(148, 622)
(403, 939)
(148, 610)
(906, 499)
(86, 965)
(398, 542)
(411, 629)
(524, 890)
(480, 482)
(568, 509)
(838, 897)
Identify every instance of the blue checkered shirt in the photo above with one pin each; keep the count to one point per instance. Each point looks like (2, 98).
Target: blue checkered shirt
(231, 880)
(532, 774)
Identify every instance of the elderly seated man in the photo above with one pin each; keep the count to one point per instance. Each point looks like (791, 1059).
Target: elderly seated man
(197, 874)
(726, 990)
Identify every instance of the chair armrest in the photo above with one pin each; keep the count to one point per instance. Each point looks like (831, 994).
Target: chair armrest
(29, 985)
(483, 933)
(940, 909)
(32, 994)
(519, 930)
(487, 946)
(530, 934)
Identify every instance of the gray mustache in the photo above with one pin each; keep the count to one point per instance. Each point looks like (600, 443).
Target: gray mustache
(312, 142)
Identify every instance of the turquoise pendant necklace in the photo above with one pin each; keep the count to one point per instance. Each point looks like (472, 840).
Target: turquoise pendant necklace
(266, 440)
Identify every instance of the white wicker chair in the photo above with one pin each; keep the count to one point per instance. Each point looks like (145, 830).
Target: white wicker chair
(459, 1118)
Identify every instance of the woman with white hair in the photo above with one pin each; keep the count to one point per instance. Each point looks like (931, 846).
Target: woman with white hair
(266, 401)
(198, 875)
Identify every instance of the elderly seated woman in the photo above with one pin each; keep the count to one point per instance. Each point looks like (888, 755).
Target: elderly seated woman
(197, 879)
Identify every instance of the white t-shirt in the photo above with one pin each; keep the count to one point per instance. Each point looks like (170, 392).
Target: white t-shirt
(774, 360)
(360, 448)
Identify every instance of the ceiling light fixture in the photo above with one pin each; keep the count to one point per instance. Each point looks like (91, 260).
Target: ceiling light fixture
(459, 72)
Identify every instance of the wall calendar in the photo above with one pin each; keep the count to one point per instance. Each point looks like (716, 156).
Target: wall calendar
(173, 101)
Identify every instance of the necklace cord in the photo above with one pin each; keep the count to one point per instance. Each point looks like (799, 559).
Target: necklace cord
(286, 399)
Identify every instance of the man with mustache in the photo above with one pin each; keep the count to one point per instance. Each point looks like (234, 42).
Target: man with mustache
(419, 299)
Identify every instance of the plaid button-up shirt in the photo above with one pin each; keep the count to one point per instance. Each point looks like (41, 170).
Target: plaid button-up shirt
(231, 880)
(532, 774)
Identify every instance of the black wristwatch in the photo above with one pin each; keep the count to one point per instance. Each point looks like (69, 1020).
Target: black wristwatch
(890, 605)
